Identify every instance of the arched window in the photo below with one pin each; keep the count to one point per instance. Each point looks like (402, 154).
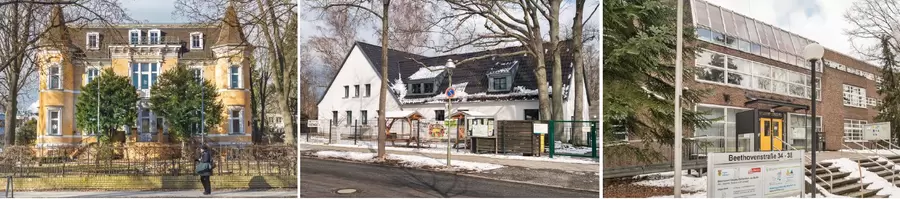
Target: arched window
(234, 75)
(54, 77)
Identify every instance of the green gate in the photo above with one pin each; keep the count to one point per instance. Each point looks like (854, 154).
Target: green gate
(573, 138)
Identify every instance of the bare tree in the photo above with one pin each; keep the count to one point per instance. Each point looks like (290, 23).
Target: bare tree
(24, 23)
(369, 8)
(338, 35)
(871, 20)
(578, 30)
(501, 26)
(408, 25)
(270, 27)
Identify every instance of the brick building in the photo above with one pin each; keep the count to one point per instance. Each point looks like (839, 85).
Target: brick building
(744, 61)
(71, 57)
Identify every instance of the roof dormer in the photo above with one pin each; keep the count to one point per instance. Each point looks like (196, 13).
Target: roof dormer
(425, 81)
(500, 77)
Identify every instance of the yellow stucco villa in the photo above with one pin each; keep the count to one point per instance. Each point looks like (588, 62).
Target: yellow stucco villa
(71, 57)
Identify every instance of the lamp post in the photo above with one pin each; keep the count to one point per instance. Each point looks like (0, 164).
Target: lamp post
(813, 52)
(450, 66)
(679, 68)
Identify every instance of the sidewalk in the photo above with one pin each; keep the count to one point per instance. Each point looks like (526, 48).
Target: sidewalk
(281, 193)
(533, 164)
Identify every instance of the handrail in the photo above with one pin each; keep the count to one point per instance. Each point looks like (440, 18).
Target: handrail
(889, 148)
(830, 181)
(894, 172)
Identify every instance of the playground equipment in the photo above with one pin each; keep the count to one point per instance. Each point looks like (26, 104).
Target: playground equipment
(407, 116)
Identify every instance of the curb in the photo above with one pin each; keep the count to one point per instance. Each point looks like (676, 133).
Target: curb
(460, 174)
(529, 183)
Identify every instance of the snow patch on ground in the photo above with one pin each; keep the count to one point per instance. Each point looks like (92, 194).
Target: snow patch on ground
(410, 161)
(442, 149)
(688, 182)
(887, 152)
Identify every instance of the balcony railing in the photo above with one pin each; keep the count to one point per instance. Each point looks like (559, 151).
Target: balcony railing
(147, 40)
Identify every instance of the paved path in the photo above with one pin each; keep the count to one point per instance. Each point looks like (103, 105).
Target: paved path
(323, 178)
(475, 158)
(281, 193)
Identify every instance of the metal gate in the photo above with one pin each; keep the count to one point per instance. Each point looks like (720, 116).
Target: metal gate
(573, 138)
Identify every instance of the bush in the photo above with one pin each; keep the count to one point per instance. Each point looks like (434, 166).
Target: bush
(25, 134)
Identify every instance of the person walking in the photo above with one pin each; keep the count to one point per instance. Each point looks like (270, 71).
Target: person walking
(205, 168)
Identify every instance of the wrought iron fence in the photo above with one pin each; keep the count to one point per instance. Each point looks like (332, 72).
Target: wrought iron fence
(157, 160)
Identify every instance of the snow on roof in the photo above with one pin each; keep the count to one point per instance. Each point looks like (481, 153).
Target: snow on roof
(506, 67)
(399, 87)
(400, 114)
(518, 91)
(427, 72)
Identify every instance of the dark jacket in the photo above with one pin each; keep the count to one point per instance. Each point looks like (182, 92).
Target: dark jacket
(206, 157)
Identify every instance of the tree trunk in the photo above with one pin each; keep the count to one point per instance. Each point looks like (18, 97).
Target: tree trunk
(254, 107)
(382, 98)
(558, 93)
(577, 44)
(11, 101)
(281, 78)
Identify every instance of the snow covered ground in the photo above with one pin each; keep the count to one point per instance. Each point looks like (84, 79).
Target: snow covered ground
(886, 152)
(411, 161)
(690, 183)
(441, 148)
(847, 165)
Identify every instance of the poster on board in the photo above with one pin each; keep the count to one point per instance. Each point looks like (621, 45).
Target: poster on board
(755, 174)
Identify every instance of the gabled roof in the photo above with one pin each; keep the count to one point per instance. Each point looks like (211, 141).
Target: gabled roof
(471, 77)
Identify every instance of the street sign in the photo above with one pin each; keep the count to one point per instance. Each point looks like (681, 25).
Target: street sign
(312, 123)
(540, 128)
(755, 174)
(450, 93)
(877, 131)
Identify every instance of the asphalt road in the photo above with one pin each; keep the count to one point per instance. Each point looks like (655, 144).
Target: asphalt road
(323, 178)
(282, 193)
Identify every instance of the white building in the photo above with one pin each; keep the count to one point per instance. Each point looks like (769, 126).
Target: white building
(502, 86)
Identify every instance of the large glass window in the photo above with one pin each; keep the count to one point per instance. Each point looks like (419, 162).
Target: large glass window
(741, 25)
(721, 132)
(751, 75)
(854, 96)
(798, 129)
(751, 30)
(715, 18)
(729, 23)
(700, 14)
(143, 75)
(853, 129)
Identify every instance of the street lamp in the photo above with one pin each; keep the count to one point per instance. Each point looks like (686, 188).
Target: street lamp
(450, 66)
(813, 52)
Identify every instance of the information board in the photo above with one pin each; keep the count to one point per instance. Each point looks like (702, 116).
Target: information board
(877, 131)
(312, 123)
(755, 174)
(540, 128)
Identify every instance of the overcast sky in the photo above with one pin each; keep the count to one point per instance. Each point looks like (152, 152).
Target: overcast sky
(819, 20)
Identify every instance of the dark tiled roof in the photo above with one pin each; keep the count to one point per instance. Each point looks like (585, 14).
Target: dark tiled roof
(230, 28)
(179, 34)
(474, 73)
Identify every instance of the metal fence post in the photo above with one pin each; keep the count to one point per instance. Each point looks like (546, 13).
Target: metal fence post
(308, 132)
(329, 131)
(552, 137)
(594, 140)
(418, 129)
(355, 131)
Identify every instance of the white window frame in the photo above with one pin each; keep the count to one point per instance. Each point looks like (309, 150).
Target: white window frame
(191, 45)
(158, 36)
(141, 123)
(149, 73)
(356, 88)
(752, 74)
(240, 77)
(58, 120)
(872, 102)
(91, 74)
(58, 75)
(853, 130)
(139, 36)
(240, 119)
(368, 90)
(198, 73)
(854, 96)
(87, 41)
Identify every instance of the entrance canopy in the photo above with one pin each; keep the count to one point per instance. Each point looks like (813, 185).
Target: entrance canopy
(762, 103)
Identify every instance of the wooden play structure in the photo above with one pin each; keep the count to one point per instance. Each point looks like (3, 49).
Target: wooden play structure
(407, 116)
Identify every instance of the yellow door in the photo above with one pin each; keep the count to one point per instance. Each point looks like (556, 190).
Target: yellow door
(768, 128)
(765, 139)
